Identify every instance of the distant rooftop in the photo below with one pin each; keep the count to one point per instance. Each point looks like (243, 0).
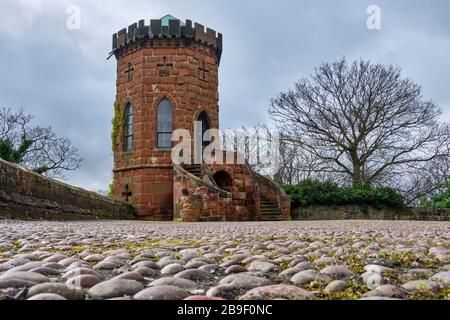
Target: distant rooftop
(165, 20)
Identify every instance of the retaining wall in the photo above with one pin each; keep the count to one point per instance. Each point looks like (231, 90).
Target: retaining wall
(27, 195)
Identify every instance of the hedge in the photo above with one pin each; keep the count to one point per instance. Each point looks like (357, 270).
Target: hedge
(311, 192)
(441, 200)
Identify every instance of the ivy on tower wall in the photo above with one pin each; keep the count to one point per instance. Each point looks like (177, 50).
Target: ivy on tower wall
(111, 188)
(117, 124)
(117, 132)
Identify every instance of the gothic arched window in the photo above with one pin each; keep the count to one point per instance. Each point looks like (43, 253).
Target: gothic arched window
(165, 124)
(128, 143)
(204, 120)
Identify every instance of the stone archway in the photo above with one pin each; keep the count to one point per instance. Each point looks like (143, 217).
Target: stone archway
(224, 180)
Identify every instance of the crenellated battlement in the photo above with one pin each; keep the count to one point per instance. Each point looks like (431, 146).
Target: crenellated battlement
(141, 35)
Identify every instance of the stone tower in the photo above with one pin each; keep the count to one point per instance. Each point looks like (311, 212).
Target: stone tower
(167, 78)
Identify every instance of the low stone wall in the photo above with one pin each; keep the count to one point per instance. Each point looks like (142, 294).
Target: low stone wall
(342, 213)
(425, 214)
(355, 212)
(28, 195)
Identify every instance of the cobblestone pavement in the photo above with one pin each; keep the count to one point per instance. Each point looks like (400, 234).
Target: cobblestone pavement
(256, 260)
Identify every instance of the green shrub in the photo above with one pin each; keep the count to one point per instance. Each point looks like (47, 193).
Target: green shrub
(8, 152)
(310, 192)
(441, 200)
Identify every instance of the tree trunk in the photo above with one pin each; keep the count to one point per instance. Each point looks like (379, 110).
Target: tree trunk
(357, 174)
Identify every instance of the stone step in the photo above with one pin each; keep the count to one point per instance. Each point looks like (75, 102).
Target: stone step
(270, 211)
(267, 211)
(191, 166)
(193, 169)
(211, 219)
(270, 207)
(264, 204)
(273, 218)
(268, 214)
(269, 202)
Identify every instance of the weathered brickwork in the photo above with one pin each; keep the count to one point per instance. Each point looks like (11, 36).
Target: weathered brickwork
(243, 189)
(197, 200)
(213, 197)
(177, 61)
(151, 187)
(28, 195)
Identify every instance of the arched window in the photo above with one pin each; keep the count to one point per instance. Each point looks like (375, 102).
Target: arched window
(204, 120)
(165, 124)
(128, 143)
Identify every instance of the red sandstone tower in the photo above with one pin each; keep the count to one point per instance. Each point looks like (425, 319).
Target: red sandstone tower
(167, 79)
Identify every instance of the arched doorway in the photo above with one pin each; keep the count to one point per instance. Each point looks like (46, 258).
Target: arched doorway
(224, 181)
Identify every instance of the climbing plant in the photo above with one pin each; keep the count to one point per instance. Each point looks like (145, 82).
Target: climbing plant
(117, 132)
(111, 188)
(15, 155)
(117, 123)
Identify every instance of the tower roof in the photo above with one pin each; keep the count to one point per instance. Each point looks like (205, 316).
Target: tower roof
(165, 20)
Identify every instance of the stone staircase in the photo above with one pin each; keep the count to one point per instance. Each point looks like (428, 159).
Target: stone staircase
(270, 211)
(194, 169)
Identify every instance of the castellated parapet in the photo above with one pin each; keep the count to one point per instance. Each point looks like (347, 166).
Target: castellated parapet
(186, 34)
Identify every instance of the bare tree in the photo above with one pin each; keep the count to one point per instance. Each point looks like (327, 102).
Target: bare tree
(34, 147)
(423, 180)
(261, 146)
(362, 121)
(297, 165)
(255, 144)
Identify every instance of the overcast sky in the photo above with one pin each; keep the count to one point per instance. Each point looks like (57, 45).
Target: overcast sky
(62, 77)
